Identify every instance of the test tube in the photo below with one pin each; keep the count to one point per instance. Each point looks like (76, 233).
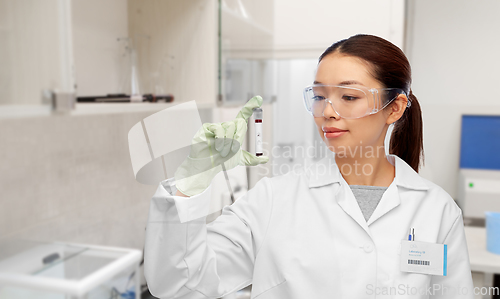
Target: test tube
(257, 112)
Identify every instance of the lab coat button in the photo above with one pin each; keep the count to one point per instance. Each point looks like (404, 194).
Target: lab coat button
(368, 248)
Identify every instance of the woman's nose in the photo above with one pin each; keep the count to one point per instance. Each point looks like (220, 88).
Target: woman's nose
(329, 112)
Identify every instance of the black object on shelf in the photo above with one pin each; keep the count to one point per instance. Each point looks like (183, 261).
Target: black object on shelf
(50, 258)
(124, 98)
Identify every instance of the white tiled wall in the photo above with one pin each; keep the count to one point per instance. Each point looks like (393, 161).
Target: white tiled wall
(69, 178)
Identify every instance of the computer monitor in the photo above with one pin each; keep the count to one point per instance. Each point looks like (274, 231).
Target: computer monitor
(479, 175)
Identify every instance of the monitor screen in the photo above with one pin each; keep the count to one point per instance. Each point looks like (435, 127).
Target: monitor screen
(480, 142)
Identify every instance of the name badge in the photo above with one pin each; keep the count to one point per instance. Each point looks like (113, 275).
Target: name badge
(424, 258)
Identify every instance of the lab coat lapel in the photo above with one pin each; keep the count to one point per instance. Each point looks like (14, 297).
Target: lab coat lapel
(348, 203)
(405, 177)
(326, 172)
(389, 201)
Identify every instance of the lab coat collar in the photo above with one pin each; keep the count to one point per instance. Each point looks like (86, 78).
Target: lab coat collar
(326, 171)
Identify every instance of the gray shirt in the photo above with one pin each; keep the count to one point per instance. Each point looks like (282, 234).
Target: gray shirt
(368, 198)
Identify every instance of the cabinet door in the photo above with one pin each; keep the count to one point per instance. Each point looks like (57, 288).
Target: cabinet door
(176, 44)
(35, 50)
(246, 64)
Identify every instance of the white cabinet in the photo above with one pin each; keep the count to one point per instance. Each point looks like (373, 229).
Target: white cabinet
(304, 29)
(179, 47)
(203, 50)
(35, 50)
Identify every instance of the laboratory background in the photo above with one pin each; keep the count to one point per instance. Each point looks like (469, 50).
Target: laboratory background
(77, 75)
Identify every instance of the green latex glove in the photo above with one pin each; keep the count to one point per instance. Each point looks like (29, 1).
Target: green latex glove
(214, 144)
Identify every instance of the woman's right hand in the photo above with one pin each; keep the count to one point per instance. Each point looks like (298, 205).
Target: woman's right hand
(212, 145)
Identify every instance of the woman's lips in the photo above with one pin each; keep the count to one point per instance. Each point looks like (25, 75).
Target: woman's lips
(334, 134)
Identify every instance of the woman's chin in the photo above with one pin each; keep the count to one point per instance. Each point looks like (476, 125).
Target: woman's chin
(332, 146)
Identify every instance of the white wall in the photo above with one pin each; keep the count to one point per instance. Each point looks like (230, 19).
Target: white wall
(69, 178)
(294, 127)
(453, 48)
(306, 28)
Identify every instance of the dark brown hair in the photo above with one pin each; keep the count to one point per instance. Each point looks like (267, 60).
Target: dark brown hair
(391, 68)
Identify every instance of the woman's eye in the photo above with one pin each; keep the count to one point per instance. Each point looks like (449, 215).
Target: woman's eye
(349, 98)
(318, 98)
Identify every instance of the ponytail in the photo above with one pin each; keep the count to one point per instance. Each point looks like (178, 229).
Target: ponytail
(407, 136)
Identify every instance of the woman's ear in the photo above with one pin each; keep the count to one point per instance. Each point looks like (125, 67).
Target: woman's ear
(397, 108)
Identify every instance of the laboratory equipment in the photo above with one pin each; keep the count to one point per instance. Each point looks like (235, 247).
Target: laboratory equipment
(32, 269)
(479, 174)
(493, 232)
(258, 131)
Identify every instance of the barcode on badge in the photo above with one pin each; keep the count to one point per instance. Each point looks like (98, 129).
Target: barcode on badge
(417, 262)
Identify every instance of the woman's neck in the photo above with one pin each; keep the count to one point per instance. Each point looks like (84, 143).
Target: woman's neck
(368, 171)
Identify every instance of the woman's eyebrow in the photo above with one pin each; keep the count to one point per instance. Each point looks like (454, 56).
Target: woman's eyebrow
(349, 82)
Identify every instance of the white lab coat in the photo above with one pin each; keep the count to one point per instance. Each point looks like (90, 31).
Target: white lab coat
(302, 235)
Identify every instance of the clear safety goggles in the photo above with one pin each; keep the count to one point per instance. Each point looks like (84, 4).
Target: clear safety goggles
(347, 101)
